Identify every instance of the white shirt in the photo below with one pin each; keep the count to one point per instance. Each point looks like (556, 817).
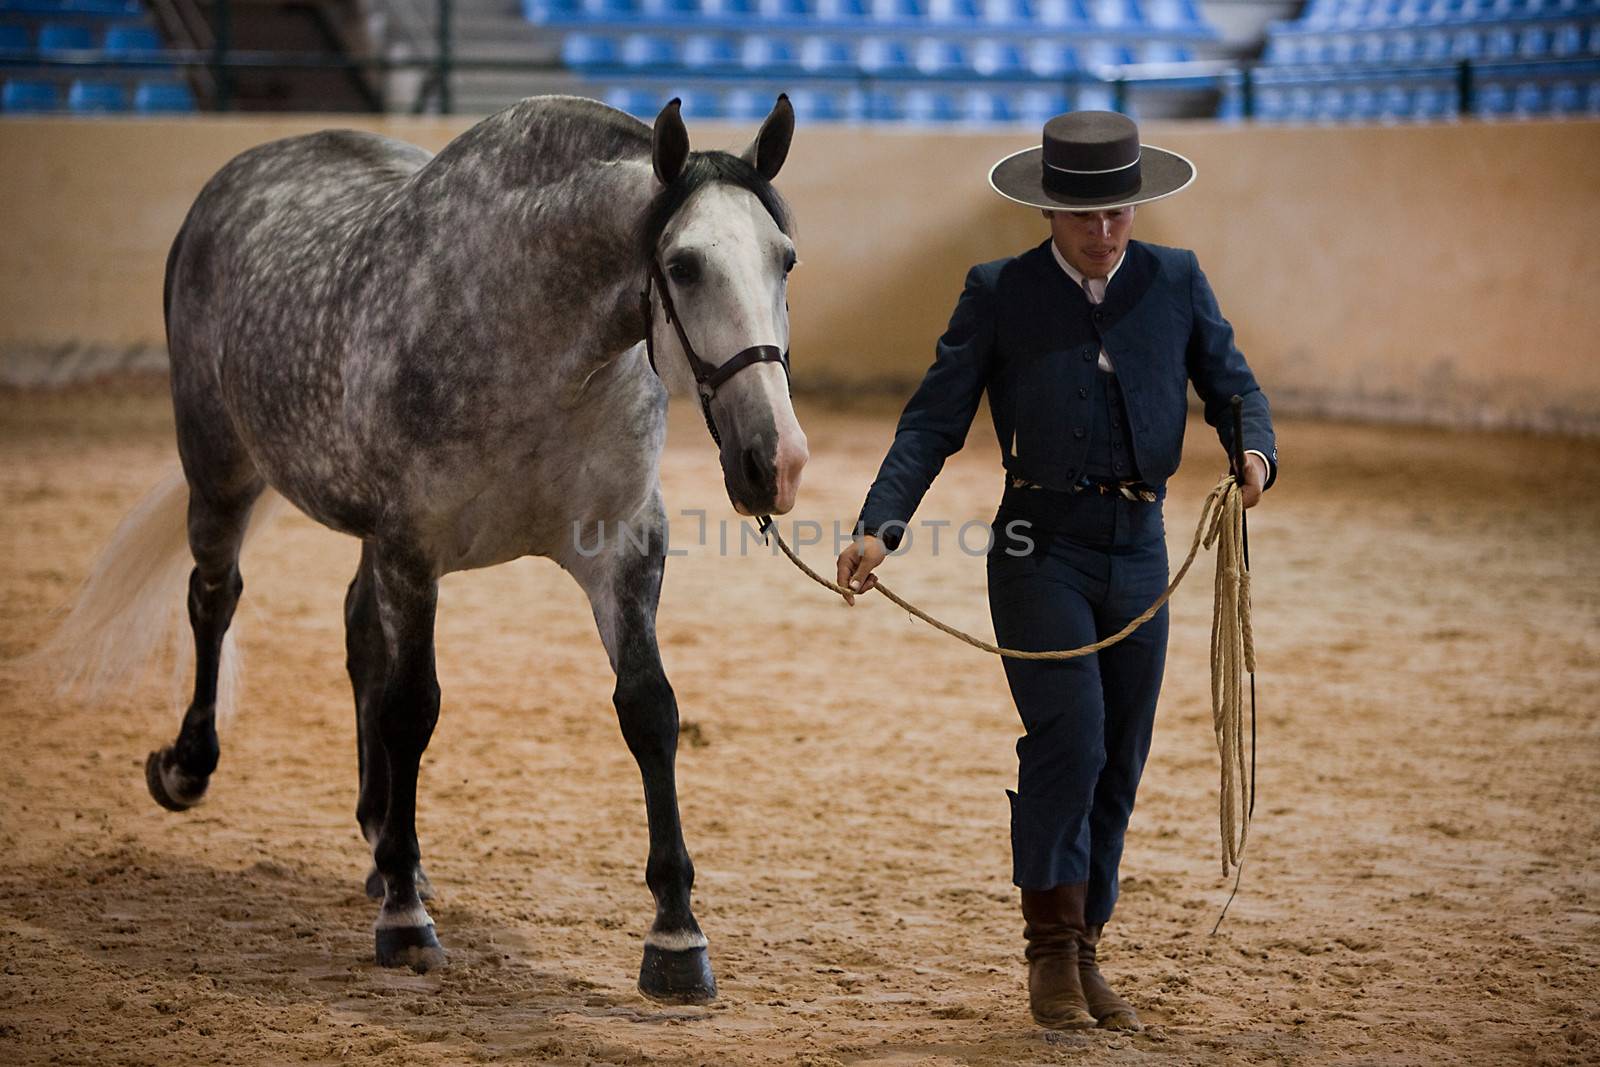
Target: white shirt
(1095, 289)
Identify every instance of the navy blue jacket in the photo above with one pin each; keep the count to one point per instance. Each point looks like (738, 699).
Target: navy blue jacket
(1023, 331)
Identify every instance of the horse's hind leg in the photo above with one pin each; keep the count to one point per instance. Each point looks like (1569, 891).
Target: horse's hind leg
(624, 587)
(367, 660)
(219, 513)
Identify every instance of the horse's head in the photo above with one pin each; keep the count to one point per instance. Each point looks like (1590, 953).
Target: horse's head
(720, 253)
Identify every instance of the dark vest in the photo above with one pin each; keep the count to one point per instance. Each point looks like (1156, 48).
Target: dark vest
(1110, 453)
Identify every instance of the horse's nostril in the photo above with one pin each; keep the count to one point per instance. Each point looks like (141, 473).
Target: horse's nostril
(758, 466)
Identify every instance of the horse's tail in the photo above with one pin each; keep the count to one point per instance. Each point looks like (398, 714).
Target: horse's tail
(131, 608)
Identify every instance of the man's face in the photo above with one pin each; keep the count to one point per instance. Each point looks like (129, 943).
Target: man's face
(1091, 241)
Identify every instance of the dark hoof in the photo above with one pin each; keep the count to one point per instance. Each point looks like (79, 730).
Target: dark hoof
(409, 946)
(677, 977)
(169, 785)
(375, 885)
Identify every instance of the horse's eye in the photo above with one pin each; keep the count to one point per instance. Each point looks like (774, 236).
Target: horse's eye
(788, 261)
(682, 272)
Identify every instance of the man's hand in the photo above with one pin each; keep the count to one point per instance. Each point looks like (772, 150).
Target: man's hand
(1255, 480)
(856, 564)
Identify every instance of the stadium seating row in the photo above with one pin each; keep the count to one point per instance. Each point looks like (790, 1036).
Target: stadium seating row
(1167, 17)
(1377, 14)
(53, 38)
(84, 8)
(1532, 40)
(933, 57)
(95, 97)
(1509, 91)
(850, 103)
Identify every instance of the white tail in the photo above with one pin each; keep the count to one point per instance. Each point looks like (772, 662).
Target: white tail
(132, 607)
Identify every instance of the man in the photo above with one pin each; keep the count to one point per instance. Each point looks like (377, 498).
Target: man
(1085, 345)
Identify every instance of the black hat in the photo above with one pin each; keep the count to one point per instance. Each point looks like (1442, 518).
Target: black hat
(1090, 161)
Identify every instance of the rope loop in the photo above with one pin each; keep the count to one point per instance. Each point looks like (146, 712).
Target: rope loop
(1232, 644)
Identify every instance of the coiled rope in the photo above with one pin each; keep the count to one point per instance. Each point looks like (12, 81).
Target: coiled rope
(1232, 647)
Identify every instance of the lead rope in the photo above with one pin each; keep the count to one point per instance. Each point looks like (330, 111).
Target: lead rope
(1232, 652)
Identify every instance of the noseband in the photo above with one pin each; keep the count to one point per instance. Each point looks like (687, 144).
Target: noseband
(707, 378)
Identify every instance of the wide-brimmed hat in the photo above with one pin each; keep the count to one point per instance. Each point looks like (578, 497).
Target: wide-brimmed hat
(1090, 161)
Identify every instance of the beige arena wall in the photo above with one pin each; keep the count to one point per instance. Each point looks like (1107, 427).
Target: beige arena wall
(1443, 274)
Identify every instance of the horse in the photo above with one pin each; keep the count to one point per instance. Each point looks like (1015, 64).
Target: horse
(463, 359)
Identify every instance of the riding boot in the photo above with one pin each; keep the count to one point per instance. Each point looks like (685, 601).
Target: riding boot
(1111, 1012)
(1055, 928)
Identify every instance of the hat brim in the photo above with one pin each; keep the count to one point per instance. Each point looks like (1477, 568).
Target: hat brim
(1019, 177)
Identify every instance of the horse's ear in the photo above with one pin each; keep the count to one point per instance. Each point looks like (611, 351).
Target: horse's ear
(669, 143)
(771, 146)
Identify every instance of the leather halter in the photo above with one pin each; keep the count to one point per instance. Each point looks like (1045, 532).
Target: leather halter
(707, 378)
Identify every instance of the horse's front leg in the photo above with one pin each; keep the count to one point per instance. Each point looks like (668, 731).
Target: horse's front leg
(407, 596)
(623, 582)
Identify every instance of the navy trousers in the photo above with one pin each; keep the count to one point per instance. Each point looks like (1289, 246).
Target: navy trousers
(1096, 561)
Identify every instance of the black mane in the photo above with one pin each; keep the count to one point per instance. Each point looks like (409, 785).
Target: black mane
(699, 170)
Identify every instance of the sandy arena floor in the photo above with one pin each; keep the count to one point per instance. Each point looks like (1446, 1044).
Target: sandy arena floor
(1424, 873)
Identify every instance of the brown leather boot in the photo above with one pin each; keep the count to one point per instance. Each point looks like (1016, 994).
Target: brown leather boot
(1054, 930)
(1111, 1012)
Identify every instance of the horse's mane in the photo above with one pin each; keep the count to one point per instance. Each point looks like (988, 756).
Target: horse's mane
(700, 170)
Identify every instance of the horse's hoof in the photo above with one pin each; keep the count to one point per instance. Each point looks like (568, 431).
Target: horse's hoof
(409, 946)
(169, 785)
(677, 977)
(375, 885)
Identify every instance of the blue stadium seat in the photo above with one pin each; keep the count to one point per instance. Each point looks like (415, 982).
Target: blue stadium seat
(1036, 106)
(645, 51)
(929, 105)
(985, 107)
(1173, 14)
(1094, 96)
(826, 55)
(1329, 105)
(763, 52)
(1118, 14)
(1368, 49)
(1436, 46)
(1500, 43)
(952, 11)
(1566, 40)
(746, 105)
(1271, 104)
(1052, 59)
(1492, 100)
(1534, 42)
(1394, 102)
(1528, 99)
(125, 40)
(667, 10)
(102, 7)
(1063, 14)
(1566, 99)
(898, 10)
(1467, 44)
(95, 97)
(883, 105)
(610, 10)
(1361, 104)
(941, 57)
(729, 9)
(635, 102)
(781, 10)
(819, 105)
(996, 59)
(1008, 12)
(841, 10)
(64, 37)
(1433, 102)
(163, 97)
(1105, 54)
(549, 10)
(709, 51)
(15, 39)
(698, 103)
(1592, 97)
(883, 55)
(581, 50)
(28, 96)
(1402, 47)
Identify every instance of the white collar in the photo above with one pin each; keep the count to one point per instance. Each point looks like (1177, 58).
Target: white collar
(1076, 277)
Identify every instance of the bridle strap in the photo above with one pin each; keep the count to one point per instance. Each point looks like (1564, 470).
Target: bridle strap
(707, 378)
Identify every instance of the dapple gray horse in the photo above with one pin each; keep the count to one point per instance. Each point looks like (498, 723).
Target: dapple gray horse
(446, 357)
